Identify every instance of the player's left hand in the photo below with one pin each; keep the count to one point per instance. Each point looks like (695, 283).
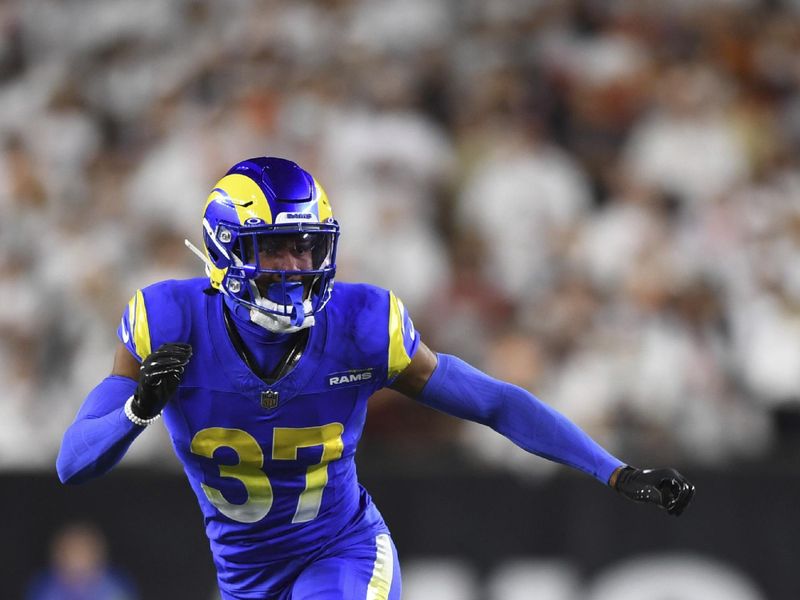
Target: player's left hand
(666, 488)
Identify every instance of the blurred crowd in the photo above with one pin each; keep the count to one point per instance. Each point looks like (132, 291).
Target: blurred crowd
(598, 200)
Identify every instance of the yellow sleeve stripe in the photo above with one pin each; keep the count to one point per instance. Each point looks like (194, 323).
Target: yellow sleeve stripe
(141, 330)
(398, 357)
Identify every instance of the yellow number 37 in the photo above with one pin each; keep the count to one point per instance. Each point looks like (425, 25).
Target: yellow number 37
(285, 443)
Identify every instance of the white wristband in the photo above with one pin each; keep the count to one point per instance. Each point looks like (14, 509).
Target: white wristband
(137, 420)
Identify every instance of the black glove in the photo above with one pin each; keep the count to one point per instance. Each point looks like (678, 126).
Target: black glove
(159, 377)
(665, 487)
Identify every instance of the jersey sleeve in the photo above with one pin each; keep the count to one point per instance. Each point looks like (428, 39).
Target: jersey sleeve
(154, 316)
(403, 338)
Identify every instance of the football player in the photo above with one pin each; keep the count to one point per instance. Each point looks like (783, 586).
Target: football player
(262, 371)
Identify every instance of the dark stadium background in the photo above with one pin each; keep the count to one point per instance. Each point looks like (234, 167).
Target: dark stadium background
(486, 520)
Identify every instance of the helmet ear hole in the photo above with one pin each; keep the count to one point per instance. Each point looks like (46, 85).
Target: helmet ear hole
(211, 250)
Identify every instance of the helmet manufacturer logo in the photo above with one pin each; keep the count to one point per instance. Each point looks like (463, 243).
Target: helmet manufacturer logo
(295, 217)
(269, 399)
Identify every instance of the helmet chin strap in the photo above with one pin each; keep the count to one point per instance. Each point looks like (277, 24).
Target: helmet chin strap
(278, 297)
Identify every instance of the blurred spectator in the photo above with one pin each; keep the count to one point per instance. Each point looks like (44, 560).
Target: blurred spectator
(524, 197)
(79, 569)
(688, 146)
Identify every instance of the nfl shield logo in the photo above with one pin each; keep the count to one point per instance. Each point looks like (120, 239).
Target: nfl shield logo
(269, 399)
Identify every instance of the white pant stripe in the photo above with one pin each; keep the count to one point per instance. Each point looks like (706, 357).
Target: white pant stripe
(381, 581)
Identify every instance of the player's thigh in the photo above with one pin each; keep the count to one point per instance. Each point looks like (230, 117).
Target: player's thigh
(369, 570)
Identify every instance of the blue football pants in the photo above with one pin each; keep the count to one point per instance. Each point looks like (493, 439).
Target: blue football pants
(366, 570)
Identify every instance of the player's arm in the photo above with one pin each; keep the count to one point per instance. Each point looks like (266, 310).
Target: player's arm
(450, 385)
(118, 409)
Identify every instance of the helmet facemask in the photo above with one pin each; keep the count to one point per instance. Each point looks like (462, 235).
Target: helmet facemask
(279, 299)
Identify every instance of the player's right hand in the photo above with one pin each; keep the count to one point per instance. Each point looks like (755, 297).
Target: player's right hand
(159, 377)
(665, 488)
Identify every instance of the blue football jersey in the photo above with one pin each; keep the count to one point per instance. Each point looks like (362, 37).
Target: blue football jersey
(272, 465)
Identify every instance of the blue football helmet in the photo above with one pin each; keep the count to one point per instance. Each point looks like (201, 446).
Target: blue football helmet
(267, 205)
